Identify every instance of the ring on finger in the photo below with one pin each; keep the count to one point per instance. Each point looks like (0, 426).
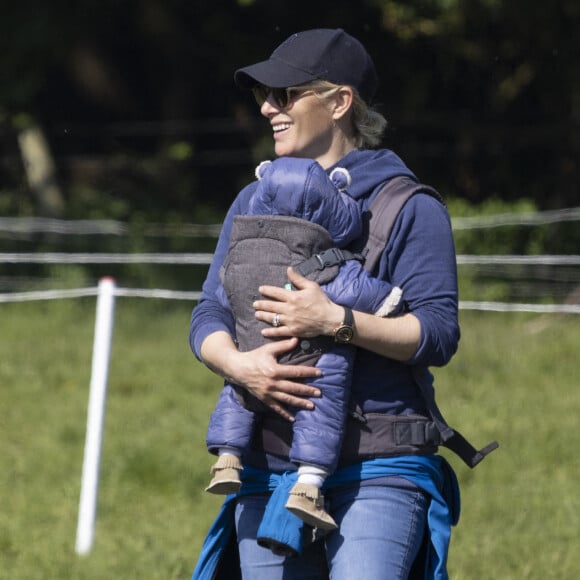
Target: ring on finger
(276, 320)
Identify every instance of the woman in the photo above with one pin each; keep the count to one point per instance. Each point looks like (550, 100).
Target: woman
(315, 91)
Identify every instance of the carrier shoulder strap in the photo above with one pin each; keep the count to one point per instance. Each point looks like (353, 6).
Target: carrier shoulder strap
(384, 210)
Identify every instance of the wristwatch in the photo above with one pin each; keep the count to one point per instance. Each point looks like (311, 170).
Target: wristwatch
(345, 331)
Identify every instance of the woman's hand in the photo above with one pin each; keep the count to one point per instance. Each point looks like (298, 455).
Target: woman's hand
(278, 386)
(308, 312)
(305, 311)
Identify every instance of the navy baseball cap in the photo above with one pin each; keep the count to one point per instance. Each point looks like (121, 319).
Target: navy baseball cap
(320, 54)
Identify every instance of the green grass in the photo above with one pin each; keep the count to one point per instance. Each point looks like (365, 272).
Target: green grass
(513, 380)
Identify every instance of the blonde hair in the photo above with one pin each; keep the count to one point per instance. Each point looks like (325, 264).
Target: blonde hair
(368, 124)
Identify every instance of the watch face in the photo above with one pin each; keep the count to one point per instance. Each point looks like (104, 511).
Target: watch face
(344, 334)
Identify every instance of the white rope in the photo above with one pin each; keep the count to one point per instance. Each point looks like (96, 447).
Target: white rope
(31, 225)
(516, 219)
(205, 259)
(66, 258)
(157, 293)
(47, 295)
(195, 296)
(515, 307)
(546, 259)
(34, 225)
(81, 292)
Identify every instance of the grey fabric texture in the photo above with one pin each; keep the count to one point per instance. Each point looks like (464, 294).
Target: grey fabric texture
(290, 241)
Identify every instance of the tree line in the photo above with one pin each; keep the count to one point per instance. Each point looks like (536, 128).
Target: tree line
(121, 108)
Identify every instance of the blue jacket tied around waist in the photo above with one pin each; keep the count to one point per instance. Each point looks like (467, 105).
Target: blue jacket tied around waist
(430, 473)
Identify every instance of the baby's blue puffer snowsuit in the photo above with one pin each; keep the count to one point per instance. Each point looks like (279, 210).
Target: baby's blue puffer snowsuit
(297, 211)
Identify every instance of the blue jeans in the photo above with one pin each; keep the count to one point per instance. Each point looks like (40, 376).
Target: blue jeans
(381, 529)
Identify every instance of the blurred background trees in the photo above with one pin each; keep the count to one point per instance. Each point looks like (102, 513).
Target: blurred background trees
(127, 109)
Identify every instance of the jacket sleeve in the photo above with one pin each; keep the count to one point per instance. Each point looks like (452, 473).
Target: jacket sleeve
(355, 287)
(420, 259)
(211, 314)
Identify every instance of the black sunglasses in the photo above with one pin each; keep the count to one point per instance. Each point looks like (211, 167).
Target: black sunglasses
(281, 97)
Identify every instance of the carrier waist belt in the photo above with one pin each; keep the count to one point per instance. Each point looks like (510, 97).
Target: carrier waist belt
(368, 436)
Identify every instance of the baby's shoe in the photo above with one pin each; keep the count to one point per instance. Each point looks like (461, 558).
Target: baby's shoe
(226, 475)
(307, 503)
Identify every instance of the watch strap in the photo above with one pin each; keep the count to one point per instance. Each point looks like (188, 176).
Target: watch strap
(348, 319)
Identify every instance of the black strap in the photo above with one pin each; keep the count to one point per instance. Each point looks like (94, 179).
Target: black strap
(326, 259)
(385, 209)
(377, 435)
(450, 438)
(366, 436)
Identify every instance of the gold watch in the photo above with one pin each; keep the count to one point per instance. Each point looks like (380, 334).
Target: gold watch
(345, 331)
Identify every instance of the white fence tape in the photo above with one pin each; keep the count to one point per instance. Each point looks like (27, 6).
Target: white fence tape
(544, 260)
(516, 219)
(205, 259)
(14, 226)
(515, 307)
(72, 258)
(47, 295)
(157, 293)
(21, 227)
(80, 292)
(194, 297)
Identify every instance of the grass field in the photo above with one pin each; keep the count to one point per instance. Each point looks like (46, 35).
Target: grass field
(514, 380)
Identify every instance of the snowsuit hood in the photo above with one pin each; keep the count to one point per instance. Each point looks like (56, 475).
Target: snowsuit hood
(301, 188)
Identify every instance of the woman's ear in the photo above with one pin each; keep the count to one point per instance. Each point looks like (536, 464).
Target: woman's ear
(342, 102)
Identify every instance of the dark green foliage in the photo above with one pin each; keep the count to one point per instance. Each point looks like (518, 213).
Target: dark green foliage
(513, 282)
(138, 101)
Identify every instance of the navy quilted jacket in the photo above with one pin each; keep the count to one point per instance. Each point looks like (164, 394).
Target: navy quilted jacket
(296, 212)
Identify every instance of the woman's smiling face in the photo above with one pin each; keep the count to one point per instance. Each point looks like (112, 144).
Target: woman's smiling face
(305, 127)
